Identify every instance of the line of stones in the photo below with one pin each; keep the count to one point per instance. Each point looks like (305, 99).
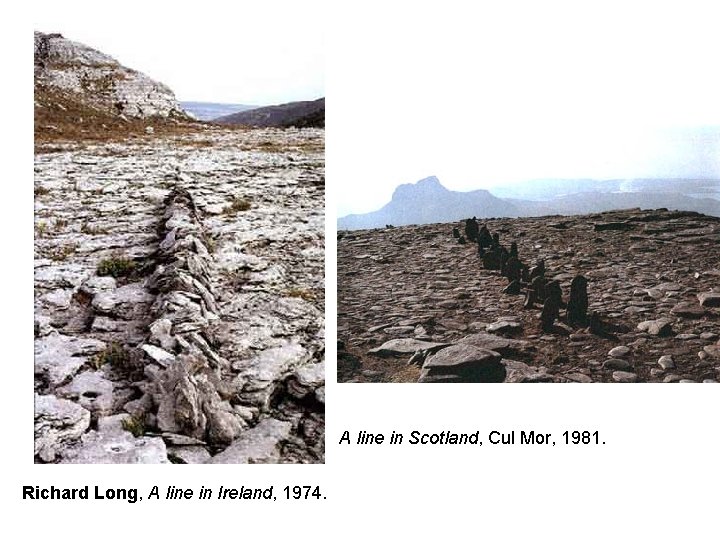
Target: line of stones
(185, 377)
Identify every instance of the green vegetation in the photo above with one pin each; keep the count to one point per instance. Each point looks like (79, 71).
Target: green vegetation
(41, 228)
(134, 425)
(305, 294)
(63, 252)
(238, 204)
(116, 267)
(115, 355)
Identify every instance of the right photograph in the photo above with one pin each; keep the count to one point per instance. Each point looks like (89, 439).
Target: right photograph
(605, 277)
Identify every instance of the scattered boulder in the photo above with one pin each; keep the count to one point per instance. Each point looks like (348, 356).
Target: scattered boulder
(463, 363)
(658, 327)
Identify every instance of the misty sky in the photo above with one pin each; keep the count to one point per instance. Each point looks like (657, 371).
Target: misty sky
(522, 91)
(245, 52)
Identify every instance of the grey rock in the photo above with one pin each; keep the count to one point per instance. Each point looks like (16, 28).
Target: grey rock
(189, 454)
(91, 390)
(504, 327)
(113, 446)
(619, 352)
(519, 372)
(96, 284)
(624, 377)
(402, 346)
(58, 357)
(578, 377)
(617, 364)
(458, 355)
(688, 310)
(658, 327)
(159, 355)
(666, 362)
(260, 444)
(57, 423)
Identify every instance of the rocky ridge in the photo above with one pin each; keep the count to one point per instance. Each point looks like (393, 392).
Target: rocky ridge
(415, 304)
(179, 290)
(97, 79)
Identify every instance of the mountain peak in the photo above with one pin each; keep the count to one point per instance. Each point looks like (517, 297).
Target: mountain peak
(427, 186)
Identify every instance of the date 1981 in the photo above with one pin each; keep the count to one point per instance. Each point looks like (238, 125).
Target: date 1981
(582, 437)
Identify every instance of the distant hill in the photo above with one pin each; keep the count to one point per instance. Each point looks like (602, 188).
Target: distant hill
(428, 201)
(297, 113)
(209, 111)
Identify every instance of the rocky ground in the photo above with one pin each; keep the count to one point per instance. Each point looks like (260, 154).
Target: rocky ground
(414, 304)
(179, 298)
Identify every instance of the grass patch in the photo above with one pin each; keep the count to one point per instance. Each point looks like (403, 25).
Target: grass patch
(238, 204)
(62, 253)
(41, 229)
(305, 294)
(114, 354)
(116, 267)
(134, 425)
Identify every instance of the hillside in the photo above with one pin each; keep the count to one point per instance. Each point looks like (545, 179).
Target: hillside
(82, 93)
(297, 113)
(653, 282)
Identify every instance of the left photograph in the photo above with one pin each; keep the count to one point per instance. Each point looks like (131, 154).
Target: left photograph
(179, 283)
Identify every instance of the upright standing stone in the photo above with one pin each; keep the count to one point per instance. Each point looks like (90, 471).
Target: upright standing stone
(551, 307)
(578, 302)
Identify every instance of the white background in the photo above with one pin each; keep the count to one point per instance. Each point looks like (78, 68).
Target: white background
(657, 476)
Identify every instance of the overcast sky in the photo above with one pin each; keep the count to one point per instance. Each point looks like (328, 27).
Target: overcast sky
(518, 91)
(260, 52)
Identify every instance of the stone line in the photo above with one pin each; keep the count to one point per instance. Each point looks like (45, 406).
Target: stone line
(186, 372)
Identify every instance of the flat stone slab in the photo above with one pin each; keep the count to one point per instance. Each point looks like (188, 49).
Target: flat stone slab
(658, 327)
(91, 390)
(118, 447)
(256, 445)
(402, 346)
(624, 377)
(688, 310)
(502, 345)
(58, 357)
(619, 352)
(458, 355)
(519, 372)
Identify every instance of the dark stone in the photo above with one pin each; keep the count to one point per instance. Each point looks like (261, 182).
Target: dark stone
(578, 302)
(491, 260)
(471, 229)
(513, 269)
(537, 270)
(514, 288)
(551, 306)
(484, 238)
